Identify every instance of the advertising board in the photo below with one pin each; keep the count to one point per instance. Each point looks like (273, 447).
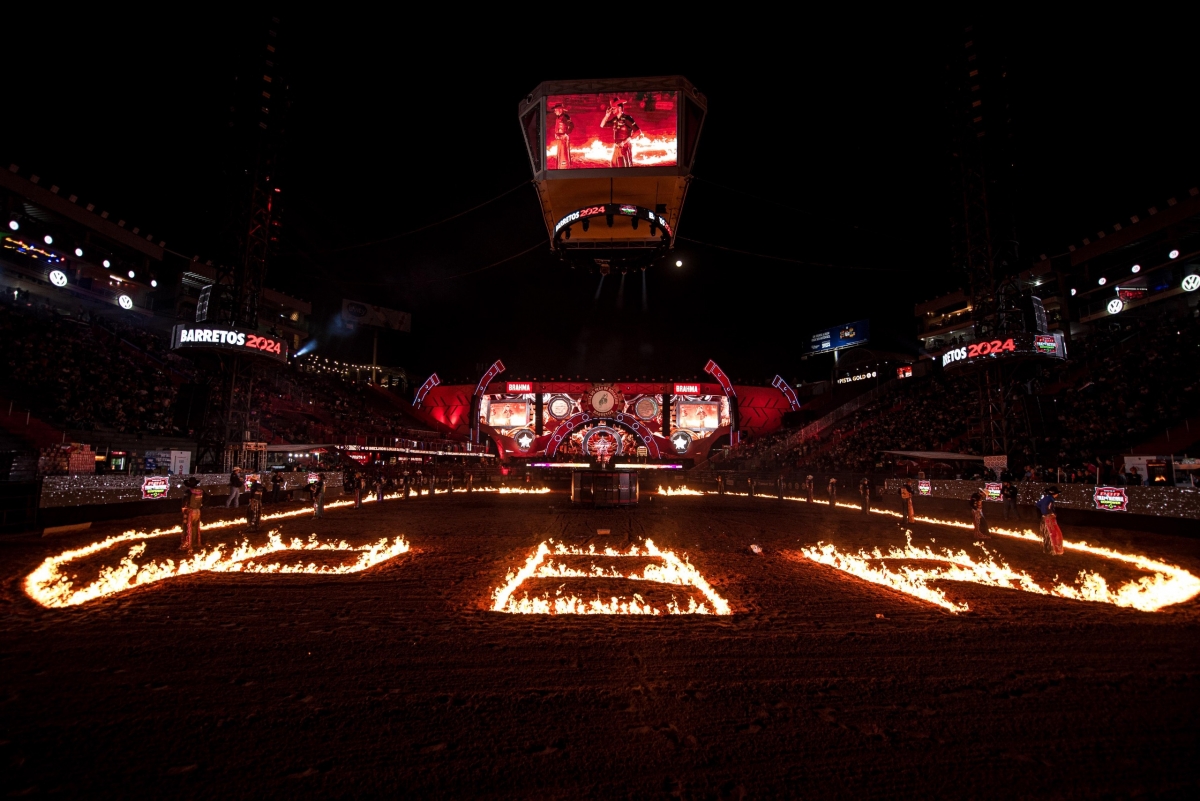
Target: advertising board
(1111, 499)
(924, 488)
(355, 313)
(840, 336)
(154, 487)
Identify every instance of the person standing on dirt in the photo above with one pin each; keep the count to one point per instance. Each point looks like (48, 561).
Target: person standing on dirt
(1052, 538)
(864, 489)
(254, 515)
(316, 490)
(808, 489)
(981, 526)
(276, 485)
(1009, 493)
(353, 484)
(833, 492)
(379, 486)
(192, 502)
(906, 495)
(235, 488)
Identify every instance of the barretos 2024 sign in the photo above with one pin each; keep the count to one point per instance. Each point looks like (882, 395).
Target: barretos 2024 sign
(199, 335)
(1111, 499)
(1047, 345)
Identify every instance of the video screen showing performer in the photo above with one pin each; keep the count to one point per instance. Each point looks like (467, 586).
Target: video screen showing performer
(508, 414)
(699, 416)
(611, 130)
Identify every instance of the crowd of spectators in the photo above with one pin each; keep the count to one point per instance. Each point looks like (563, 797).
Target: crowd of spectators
(1124, 383)
(57, 364)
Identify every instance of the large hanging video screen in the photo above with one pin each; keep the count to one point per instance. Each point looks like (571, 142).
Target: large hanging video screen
(616, 130)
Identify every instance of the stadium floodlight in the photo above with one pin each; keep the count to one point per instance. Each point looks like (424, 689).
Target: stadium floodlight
(1137, 268)
(1174, 254)
(1115, 305)
(49, 240)
(14, 225)
(58, 278)
(107, 264)
(131, 274)
(79, 252)
(1103, 281)
(125, 302)
(153, 282)
(678, 263)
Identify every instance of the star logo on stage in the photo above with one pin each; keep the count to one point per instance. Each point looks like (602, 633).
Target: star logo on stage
(681, 442)
(524, 440)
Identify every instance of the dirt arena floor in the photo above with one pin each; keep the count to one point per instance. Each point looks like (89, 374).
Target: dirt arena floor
(399, 679)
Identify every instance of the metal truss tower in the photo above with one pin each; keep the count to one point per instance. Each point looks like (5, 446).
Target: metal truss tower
(257, 126)
(983, 234)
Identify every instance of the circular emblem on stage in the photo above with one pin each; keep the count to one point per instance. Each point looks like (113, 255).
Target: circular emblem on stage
(559, 407)
(1115, 305)
(524, 438)
(604, 398)
(1191, 283)
(646, 408)
(58, 278)
(125, 302)
(602, 442)
(682, 440)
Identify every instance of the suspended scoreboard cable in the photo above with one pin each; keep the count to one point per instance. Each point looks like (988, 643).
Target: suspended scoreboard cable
(611, 162)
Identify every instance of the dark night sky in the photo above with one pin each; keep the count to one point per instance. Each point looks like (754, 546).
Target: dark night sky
(826, 145)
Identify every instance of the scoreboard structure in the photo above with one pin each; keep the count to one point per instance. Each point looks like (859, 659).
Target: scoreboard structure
(611, 161)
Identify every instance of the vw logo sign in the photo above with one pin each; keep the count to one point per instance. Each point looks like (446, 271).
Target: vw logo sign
(58, 278)
(125, 302)
(1191, 282)
(356, 310)
(1115, 305)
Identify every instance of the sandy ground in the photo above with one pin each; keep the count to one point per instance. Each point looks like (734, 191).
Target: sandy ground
(399, 679)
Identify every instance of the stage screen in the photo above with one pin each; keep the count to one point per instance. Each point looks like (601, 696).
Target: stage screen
(611, 130)
(699, 416)
(508, 414)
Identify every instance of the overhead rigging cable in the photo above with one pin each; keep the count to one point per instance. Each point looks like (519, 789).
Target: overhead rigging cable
(481, 269)
(818, 215)
(785, 258)
(432, 224)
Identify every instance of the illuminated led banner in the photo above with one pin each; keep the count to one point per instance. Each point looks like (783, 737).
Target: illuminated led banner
(219, 337)
(615, 211)
(1018, 345)
(840, 336)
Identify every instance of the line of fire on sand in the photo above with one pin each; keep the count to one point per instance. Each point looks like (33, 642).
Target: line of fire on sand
(672, 570)
(1167, 585)
(49, 587)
